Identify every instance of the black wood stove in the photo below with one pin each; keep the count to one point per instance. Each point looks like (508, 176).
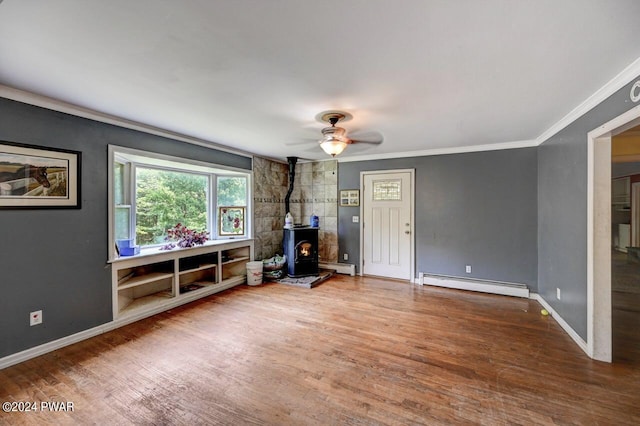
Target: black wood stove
(301, 248)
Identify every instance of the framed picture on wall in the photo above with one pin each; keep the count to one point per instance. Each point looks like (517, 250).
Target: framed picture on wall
(33, 177)
(349, 197)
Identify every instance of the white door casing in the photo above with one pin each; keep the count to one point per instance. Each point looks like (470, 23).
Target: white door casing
(599, 330)
(387, 224)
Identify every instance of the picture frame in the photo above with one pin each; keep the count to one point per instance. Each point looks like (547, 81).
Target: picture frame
(231, 221)
(36, 177)
(349, 197)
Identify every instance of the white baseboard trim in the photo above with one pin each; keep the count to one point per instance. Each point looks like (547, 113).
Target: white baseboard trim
(55, 344)
(341, 268)
(563, 324)
(484, 286)
(36, 351)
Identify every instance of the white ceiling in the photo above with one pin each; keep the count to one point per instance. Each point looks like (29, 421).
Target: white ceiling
(253, 74)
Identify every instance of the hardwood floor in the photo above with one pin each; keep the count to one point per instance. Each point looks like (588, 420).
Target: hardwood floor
(350, 351)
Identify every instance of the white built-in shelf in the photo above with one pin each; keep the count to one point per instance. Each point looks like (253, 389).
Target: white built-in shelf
(147, 301)
(204, 284)
(136, 280)
(143, 287)
(234, 260)
(234, 281)
(199, 268)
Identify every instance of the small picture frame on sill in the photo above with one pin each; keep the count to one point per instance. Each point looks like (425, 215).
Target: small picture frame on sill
(231, 221)
(349, 197)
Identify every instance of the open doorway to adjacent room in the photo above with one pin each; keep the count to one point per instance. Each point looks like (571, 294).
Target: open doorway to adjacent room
(625, 254)
(613, 315)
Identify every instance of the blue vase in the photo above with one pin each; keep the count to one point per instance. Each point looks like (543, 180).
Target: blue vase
(314, 221)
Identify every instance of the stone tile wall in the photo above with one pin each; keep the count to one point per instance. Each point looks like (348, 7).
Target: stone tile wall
(315, 191)
(270, 185)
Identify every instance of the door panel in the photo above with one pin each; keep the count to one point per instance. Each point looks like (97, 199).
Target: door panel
(394, 236)
(376, 246)
(387, 239)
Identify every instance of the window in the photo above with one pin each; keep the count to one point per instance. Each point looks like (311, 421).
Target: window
(121, 199)
(232, 201)
(151, 193)
(387, 190)
(165, 198)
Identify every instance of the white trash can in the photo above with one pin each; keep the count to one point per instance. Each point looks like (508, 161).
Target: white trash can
(254, 273)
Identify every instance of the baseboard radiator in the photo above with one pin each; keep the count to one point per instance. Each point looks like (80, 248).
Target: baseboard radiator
(340, 268)
(484, 286)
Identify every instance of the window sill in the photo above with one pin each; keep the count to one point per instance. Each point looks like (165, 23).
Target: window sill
(156, 251)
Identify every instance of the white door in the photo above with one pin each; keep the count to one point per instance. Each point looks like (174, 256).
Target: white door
(387, 229)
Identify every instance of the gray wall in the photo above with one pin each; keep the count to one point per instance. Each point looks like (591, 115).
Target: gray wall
(475, 209)
(55, 260)
(562, 211)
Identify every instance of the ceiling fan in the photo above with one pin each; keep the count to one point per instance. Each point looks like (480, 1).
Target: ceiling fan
(334, 139)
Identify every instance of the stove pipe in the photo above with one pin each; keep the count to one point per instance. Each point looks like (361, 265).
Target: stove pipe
(292, 175)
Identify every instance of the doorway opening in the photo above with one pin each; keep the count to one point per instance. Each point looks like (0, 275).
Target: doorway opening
(599, 233)
(625, 254)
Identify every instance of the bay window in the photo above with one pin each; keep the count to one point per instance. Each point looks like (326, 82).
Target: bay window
(150, 193)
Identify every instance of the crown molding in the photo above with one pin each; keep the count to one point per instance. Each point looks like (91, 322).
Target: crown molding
(616, 83)
(78, 111)
(442, 151)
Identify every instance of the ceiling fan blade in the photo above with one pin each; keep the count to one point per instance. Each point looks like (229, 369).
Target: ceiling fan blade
(304, 141)
(370, 137)
(378, 142)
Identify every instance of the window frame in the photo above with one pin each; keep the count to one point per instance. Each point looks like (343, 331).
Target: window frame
(126, 190)
(216, 218)
(133, 159)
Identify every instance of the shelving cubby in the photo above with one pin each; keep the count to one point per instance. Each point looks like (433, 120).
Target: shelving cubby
(143, 284)
(197, 272)
(156, 280)
(234, 262)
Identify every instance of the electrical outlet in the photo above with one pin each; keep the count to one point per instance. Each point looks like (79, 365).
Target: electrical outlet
(345, 256)
(467, 269)
(355, 219)
(35, 318)
(558, 295)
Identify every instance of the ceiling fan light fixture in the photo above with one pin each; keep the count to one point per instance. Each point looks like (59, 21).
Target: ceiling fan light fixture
(334, 139)
(333, 146)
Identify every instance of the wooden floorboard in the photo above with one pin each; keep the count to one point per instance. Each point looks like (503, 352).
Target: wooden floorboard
(355, 351)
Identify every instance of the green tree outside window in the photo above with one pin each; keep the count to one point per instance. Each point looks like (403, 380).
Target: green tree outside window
(165, 198)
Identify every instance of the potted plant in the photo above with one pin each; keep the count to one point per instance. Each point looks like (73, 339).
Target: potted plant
(184, 237)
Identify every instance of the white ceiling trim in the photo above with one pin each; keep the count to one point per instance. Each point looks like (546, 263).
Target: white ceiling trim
(616, 83)
(442, 151)
(67, 108)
